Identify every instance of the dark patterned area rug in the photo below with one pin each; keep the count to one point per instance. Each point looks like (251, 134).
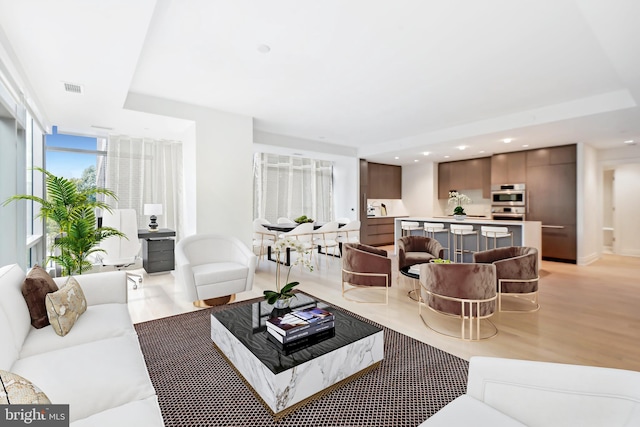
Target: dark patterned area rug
(196, 386)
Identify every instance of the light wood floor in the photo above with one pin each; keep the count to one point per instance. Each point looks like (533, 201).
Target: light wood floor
(589, 314)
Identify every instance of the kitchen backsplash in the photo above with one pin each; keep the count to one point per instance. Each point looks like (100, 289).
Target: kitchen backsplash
(395, 207)
(478, 205)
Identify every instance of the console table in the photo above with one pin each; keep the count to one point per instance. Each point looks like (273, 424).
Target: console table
(158, 254)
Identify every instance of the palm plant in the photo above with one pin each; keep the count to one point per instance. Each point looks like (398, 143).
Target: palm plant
(73, 212)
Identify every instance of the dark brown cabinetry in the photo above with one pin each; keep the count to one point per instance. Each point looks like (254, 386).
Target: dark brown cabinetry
(378, 181)
(509, 168)
(379, 231)
(384, 181)
(551, 188)
(474, 174)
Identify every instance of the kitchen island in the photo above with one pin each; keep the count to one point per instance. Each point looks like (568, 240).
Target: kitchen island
(525, 233)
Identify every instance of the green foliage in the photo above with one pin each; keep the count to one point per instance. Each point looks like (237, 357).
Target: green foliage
(458, 210)
(302, 219)
(285, 292)
(72, 211)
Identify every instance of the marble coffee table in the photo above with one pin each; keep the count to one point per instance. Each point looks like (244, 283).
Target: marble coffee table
(285, 379)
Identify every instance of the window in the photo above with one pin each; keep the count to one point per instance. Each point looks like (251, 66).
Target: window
(286, 186)
(77, 158)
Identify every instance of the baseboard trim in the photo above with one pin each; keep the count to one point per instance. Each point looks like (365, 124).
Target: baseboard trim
(586, 260)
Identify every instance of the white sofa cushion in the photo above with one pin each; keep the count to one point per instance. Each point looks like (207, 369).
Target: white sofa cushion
(13, 304)
(219, 272)
(97, 323)
(91, 377)
(8, 350)
(467, 411)
(141, 413)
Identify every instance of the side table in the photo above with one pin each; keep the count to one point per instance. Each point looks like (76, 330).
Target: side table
(158, 254)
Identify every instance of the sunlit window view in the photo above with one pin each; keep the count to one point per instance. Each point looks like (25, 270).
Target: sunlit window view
(77, 158)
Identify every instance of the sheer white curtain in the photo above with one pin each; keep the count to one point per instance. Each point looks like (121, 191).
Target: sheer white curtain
(141, 171)
(286, 186)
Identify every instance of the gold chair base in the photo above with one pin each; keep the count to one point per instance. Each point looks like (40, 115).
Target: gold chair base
(212, 302)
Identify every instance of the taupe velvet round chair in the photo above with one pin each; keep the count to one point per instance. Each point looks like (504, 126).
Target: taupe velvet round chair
(414, 250)
(364, 267)
(465, 291)
(516, 274)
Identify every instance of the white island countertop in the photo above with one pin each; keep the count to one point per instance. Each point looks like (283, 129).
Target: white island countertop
(526, 233)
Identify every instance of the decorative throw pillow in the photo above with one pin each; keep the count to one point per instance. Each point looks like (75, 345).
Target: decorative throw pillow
(65, 306)
(15, 390)
(35, 288)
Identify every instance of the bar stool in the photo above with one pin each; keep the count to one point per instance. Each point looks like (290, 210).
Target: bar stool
(430, 230)
(459, 230)
(494, 233)
(409, 226)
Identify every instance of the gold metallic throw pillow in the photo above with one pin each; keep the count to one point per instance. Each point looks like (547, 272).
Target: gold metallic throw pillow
(15, 390)
(65, 306)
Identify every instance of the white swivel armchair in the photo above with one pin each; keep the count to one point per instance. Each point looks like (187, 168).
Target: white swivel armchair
(214, 267)
(121, 252)
(507, 392)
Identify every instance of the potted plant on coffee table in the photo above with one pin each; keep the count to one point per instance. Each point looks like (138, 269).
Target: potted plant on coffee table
(281, 297)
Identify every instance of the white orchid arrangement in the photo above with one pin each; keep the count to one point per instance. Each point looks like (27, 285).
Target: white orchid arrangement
(302, 259)
(458, 200)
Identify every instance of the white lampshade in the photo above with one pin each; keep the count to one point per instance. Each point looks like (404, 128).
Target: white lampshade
(153, 209)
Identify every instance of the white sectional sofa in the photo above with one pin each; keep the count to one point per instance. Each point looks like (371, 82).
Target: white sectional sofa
(506, 392)
(97, 368)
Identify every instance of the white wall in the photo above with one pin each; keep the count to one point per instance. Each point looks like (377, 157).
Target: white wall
(222, 157)
(626, 194)
(589, 219)
(419, 189)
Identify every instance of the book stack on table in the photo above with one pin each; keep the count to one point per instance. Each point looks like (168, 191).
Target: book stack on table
(300, 324)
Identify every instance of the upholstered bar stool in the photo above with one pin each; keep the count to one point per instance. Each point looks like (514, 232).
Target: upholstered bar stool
(459, 232)
(430, 230)
(409, 226)
(495, 233)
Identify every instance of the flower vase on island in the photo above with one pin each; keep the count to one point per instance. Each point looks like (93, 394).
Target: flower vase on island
(458, 200)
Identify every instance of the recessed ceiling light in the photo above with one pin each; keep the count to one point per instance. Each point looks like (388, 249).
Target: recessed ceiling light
(462, 147)
(416, 160)
(426, 153)
(507, 140)
(525, 145)
(263, 48)
(396, 157)
(629, 141)
(446, 157)
(481, 151)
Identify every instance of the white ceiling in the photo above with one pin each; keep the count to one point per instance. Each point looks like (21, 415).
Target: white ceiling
(387, 78)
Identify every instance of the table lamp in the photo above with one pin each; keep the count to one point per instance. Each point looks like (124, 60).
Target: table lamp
(153, 210)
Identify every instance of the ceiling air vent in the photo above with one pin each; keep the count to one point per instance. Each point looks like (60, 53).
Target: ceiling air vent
(72, 87)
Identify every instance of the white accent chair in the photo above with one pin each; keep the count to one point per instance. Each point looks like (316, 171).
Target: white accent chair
(459, 231)
(408, 226)
(495, 233)
(349, 233)
(507, 392)
(326, 237)
(212, 266)
(262, 237)
(343, 220)
(121, 252)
